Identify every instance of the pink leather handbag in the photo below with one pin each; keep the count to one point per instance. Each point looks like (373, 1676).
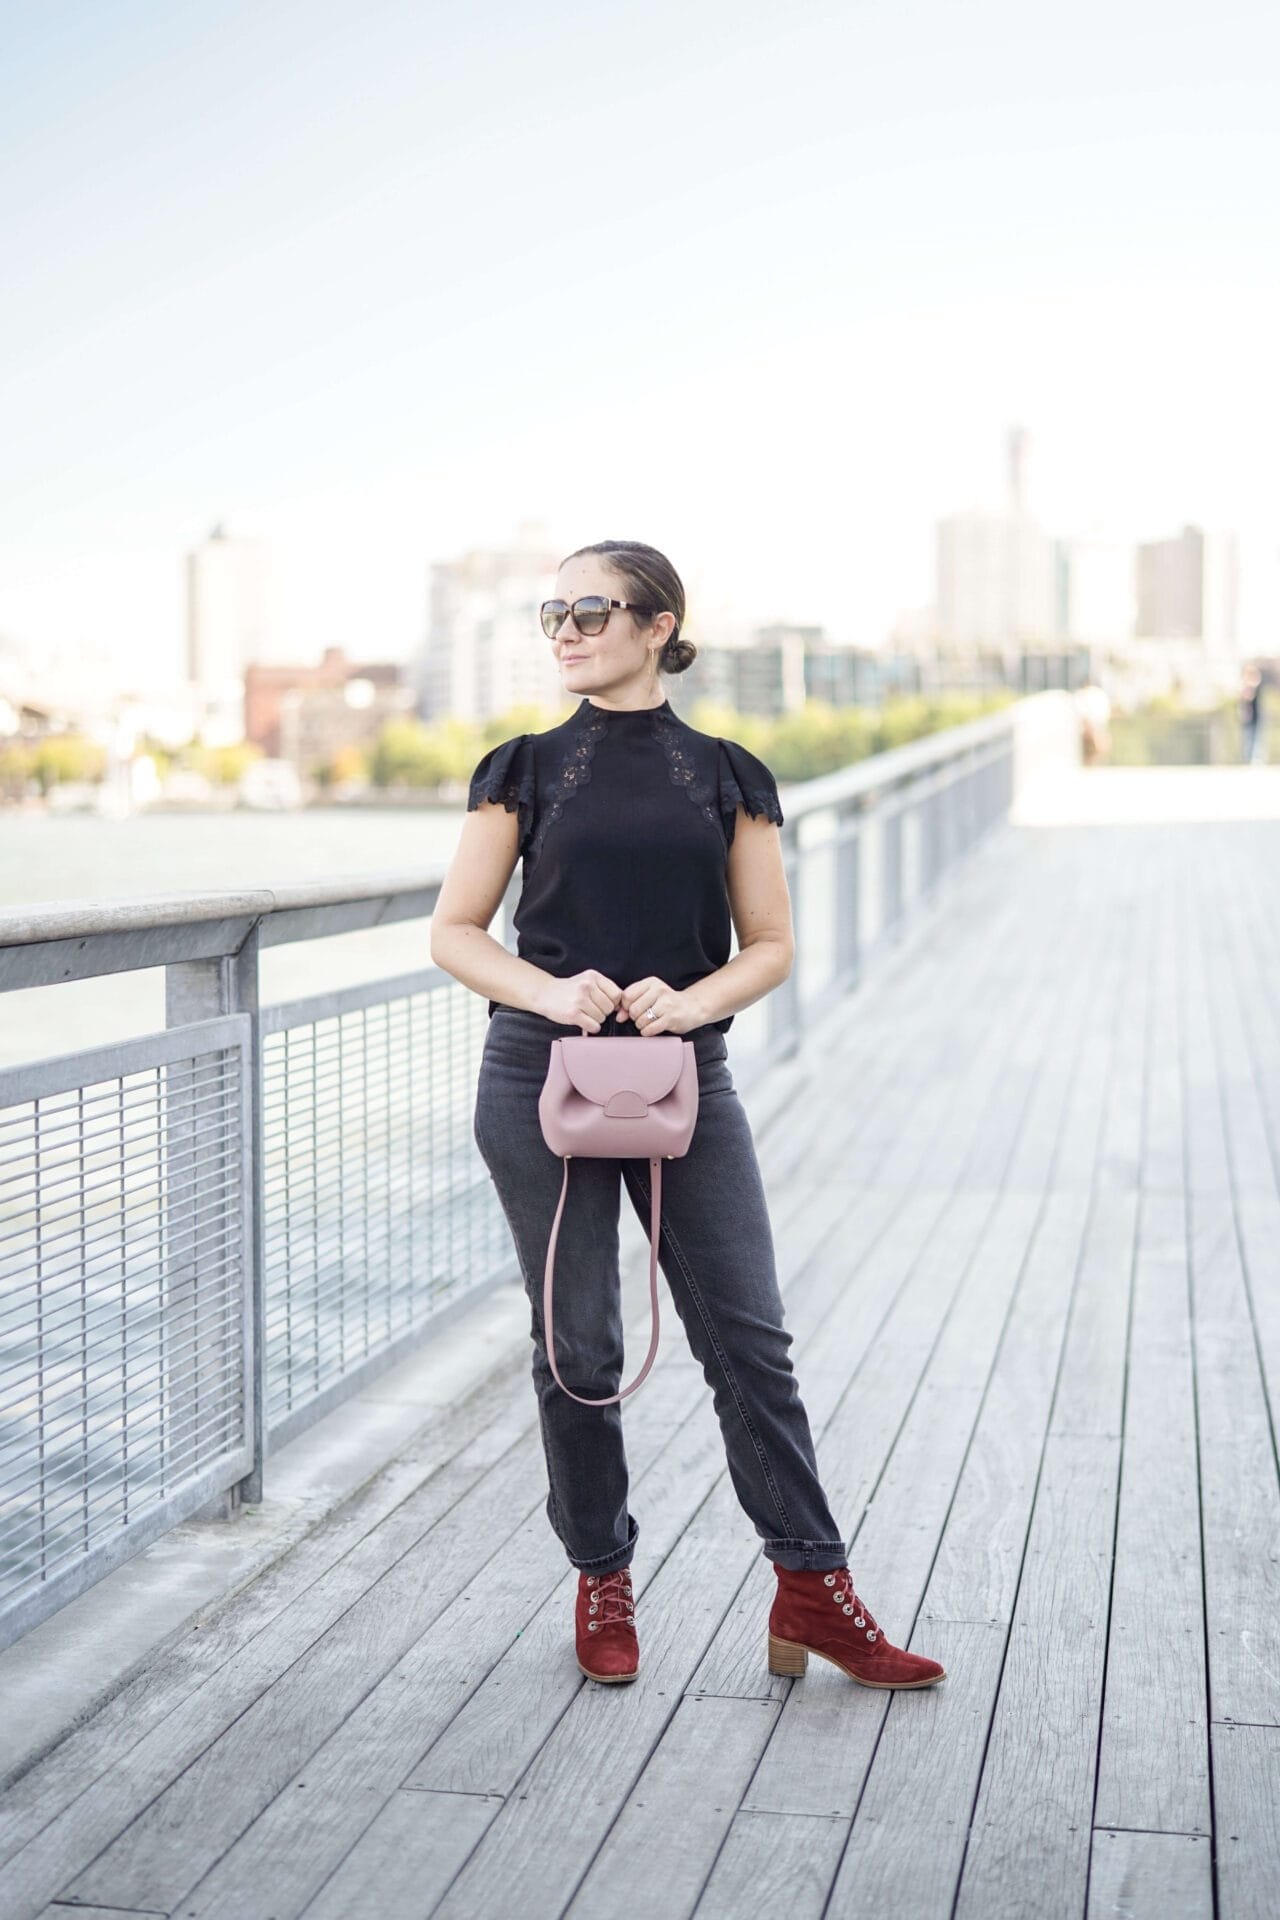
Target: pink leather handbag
(617, 1096)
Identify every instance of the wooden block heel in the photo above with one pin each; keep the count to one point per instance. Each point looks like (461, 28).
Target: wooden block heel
(786, 1659)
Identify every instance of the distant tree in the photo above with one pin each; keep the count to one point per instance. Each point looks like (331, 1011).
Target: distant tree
(409, 753)
(67, 756)
(17, 768)
(224, 766)
(348, 764)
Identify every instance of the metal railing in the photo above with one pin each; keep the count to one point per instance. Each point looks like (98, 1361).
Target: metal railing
(211, 1234)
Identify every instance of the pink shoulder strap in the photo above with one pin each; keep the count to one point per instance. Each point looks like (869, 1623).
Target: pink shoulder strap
(655, 1223)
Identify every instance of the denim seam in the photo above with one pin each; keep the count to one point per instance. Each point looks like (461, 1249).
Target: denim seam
(740, 1403)
(539, 1342)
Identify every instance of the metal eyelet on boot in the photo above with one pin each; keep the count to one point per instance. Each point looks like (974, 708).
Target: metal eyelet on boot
(846, 1609)
(828, 1579)
(871, 1633)
(592, 1625)
(860, 1621)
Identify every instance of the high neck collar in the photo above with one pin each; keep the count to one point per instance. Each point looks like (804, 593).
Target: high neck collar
(587, 707)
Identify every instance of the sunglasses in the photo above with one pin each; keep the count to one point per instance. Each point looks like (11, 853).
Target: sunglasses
(589, 613)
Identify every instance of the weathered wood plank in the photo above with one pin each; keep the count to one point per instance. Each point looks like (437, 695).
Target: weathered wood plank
(405, 1858)
(774, 1863)
(1085, 1112)
(1154, 1761)
(907, 1842)
(1029, 1848)
(1240, 1494)
(1207, 1165)
(163, 1852)
(912, 1823)
(816, 1760)
(980, 1555)
(1090, 1395)
(1246, 1791)
(58, 1911)
(975, 1575)
(665, 1840)
(1150, 1876)
(1119, 1161)
(1234, 1017)
(819, 1754)
(547, 1834)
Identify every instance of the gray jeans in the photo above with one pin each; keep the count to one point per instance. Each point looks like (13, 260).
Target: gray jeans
(716, 1251)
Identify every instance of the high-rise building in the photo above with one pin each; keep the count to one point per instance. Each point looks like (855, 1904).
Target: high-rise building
(995, 581)
(485, 651)
(996, 576)
(1188, 589)
(228, 614)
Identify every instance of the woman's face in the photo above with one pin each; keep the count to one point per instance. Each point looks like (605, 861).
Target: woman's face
(619, 660)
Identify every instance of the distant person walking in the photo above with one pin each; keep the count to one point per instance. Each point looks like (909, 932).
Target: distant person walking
(641, 838)
(1093, 706)
(1250, 704)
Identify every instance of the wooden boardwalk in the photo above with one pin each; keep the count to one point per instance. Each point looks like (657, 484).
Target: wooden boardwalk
(1027, 1212)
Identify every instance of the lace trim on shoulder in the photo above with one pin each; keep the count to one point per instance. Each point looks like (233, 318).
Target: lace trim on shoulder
(683, 772)
(756, 800)
(757, 794)
(573, 776)
(512, 786)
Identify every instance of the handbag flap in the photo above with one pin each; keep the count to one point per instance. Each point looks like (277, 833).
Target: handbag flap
(600, 1065)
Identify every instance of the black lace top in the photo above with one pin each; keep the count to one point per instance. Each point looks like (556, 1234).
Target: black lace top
(626, 820)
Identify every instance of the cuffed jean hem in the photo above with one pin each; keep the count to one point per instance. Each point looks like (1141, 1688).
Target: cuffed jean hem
(807, 1556)
(610, 1562)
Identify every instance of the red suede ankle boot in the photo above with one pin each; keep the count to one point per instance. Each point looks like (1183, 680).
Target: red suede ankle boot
(605, 1627)
(820, 1613)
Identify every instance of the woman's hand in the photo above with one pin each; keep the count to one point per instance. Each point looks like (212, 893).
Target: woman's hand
(582, 1000)
(673, 1012)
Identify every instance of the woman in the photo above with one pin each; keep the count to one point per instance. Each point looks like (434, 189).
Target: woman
(640, 838)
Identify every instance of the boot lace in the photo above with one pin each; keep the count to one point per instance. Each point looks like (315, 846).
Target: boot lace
(841, 1584)
(611, 1599)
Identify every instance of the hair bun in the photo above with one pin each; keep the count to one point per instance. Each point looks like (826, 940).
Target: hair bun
(678, 655)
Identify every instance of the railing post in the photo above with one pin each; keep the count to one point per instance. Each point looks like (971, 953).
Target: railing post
(848, 900)
(201, 990)
(891, 866)
(783, 1017)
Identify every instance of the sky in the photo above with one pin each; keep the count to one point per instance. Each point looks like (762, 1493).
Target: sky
(761, 286)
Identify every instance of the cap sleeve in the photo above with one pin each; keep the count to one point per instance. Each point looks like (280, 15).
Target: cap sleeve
(506, 774)
(746, 782)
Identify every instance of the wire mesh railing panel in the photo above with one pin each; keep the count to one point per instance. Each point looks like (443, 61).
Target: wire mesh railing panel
(123, 1299)
(377, 1208)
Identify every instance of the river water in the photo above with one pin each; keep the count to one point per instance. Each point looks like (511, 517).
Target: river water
(83, 857)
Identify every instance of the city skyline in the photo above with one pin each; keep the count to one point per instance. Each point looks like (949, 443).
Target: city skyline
(331, 288)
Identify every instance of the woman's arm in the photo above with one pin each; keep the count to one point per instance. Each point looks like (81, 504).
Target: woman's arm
(482, 865)
(760, 903)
